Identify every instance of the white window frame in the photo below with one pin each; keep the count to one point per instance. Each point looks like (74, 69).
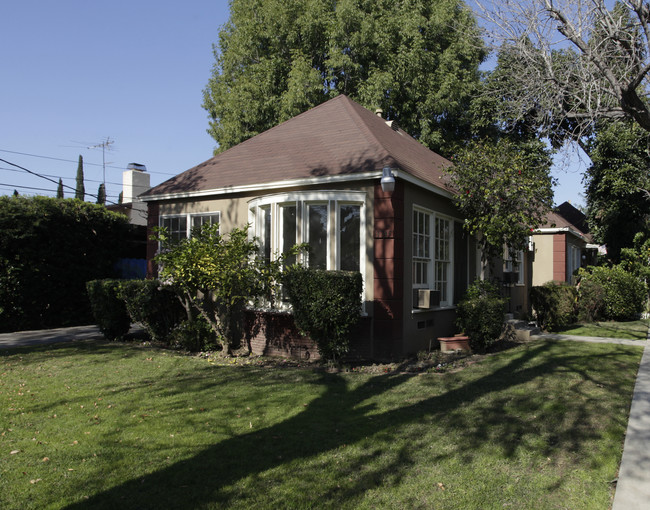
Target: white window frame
(188, 219)
(512, 266)
(432, 261)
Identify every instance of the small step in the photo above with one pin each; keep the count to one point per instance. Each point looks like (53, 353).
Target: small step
(523, 330)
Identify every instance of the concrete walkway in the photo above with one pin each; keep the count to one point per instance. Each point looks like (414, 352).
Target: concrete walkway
(633, 486)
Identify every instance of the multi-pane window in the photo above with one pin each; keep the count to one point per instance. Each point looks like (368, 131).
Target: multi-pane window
(514, 265)
(330, 222)
(350, 237)
(180, 226)
(442, 257)
(421, 248)
(317, 215)
(432, 254)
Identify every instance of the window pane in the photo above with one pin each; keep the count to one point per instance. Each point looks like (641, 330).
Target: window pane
(176, 227)
(288, 235)
(317, 216)
(349, 236)
(266, 248)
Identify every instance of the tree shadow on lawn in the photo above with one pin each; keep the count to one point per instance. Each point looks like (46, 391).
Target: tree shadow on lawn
(207, 478)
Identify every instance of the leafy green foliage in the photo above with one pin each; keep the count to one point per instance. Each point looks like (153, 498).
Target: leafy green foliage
(153, 305)
(326, 306)
(194, 335)
(217, 274)
(49, 249)
(418, 61)
(591, 301)
(554, 305)
(625, 293)
(636, 259)
(108, 308)
(504, 191)
(617, 186)
(480, 314)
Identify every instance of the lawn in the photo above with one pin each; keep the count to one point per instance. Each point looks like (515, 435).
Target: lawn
(633, 330)
(107, 426)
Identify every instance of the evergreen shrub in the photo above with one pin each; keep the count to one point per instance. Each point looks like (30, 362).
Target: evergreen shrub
(108, 309)
(554, 305)
(591, 301)
(326, 306)
(480, 314)
(625, 293)
(153, 305)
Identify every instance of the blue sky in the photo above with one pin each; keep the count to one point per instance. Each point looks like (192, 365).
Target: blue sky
(76, 73)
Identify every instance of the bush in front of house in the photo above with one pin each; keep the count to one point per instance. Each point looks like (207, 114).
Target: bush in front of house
(326, 306)
(480, 314)
(153, 305)
(108, 309)
(625, 293)
(194, 335)
(554, 305)
(591, 301)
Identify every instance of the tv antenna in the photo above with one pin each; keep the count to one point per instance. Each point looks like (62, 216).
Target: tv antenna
(105, 145)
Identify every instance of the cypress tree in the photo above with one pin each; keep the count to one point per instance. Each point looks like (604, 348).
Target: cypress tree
(80, 192)
(59, 189)
(101, 194)
(120, 198)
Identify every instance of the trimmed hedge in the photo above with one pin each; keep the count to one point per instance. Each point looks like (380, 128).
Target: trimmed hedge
(480, 314)
(625, 293)
(591, 300)
(554, 305)
(108, 309)
(326, 306)
(49, 249)
(153, 305)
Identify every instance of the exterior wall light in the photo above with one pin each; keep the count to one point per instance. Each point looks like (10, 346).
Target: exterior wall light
(388, 180)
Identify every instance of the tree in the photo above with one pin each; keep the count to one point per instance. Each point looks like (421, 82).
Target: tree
(618, 203)
(504, 191)
(101, 194)
(59, 189)
(574, 62)
(80, 191)
(417, 60)
(217, 274)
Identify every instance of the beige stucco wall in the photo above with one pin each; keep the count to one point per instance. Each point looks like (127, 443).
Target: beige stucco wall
(234, 210)
(542, 266)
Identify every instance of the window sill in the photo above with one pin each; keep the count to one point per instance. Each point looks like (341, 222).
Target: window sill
(417, 311)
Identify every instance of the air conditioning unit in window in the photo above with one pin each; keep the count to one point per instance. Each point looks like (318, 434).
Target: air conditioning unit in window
(425, 298)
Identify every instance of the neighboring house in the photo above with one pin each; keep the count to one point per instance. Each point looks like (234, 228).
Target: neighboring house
(561, 246)
(317, 179)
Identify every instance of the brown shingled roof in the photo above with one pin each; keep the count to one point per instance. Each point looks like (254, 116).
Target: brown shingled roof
(338, 137)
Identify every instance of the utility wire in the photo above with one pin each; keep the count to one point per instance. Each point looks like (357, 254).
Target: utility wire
(73, 161)
(47, 178)
(85, 180)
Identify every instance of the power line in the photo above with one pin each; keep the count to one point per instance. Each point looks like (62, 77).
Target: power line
(74, 161)
(46, 178)
(71, 178)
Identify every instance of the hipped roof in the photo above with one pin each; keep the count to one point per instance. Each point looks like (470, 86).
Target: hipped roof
(337, 138)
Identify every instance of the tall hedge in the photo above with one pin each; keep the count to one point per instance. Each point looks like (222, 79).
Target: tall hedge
(625, 293)
(554, 305)
(326, 306)
(49, 249)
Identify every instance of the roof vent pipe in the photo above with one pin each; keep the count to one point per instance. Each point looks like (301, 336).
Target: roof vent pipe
(379, 112)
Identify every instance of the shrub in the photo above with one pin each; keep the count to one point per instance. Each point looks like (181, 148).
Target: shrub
(194, 335)
(591, 301)
(480, 314)
(155, 306)
(326, 306)
(49, 249)
(554, 305)
(108, 309)
(625, 293)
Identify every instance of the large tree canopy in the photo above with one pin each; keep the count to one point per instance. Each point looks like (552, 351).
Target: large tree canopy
(415, 59)
(618, 203)
(575, 62)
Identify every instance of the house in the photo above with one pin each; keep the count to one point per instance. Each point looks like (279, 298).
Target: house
(562, 245)
(317, 178)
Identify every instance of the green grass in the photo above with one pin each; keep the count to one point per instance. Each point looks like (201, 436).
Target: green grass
(107, 426)
(633, 330)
